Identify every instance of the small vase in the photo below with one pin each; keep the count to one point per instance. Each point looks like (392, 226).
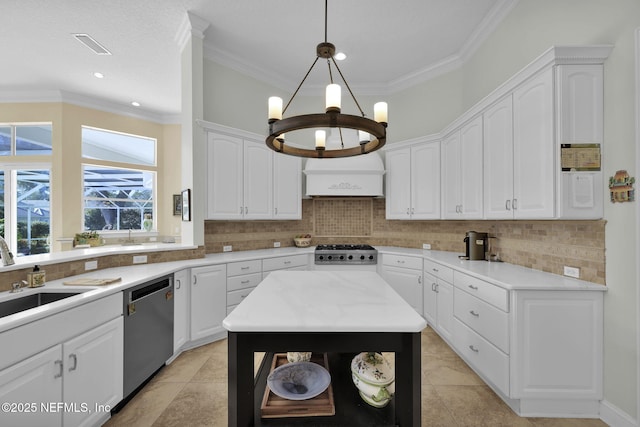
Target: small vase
(298, 356)
(147, 224)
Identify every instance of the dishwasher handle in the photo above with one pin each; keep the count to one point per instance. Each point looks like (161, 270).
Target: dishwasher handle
(152, 288)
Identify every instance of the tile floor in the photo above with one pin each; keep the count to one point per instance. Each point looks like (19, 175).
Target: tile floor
(192, 391)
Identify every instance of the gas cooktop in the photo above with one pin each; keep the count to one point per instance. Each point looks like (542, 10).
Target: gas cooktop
(346, 254)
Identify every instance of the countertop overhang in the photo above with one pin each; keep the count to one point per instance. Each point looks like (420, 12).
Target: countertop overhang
(324, 301)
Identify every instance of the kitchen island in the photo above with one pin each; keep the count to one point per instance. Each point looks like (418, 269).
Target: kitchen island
(323, 311)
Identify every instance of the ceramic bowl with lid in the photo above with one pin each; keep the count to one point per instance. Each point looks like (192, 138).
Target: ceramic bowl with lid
(374, 377)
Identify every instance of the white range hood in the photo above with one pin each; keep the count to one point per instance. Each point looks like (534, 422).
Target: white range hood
(345, 176)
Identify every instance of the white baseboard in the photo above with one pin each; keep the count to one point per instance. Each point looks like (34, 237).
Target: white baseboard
(615, 417)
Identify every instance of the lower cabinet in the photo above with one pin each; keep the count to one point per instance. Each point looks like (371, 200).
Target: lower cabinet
(438, 298)
(75, 383)
(180, 309)
(404, 274)
(541, 350)
(208, 300)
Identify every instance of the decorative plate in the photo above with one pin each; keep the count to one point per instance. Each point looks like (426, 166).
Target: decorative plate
(299, 380)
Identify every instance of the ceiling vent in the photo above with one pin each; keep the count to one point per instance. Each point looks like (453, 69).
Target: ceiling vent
(89, 42)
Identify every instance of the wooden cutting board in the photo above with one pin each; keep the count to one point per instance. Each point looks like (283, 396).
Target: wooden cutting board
(88, 281)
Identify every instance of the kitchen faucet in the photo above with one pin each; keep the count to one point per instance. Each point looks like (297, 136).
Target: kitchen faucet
(5, 253)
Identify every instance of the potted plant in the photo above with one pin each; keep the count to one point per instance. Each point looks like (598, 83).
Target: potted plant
(91, 238)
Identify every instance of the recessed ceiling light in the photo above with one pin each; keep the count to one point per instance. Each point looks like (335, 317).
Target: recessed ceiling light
(135, 103)
(98, 75)
(340, 56)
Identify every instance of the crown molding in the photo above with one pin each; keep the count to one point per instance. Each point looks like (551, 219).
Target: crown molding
(192, 26)
(46, 96)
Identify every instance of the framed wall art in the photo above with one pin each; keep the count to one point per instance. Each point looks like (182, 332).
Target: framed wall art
(186, 205)
(177, 204)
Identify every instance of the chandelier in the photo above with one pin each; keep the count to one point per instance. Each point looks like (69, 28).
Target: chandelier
(372, 134)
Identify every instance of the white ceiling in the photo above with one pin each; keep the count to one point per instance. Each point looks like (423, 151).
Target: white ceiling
(390, 44)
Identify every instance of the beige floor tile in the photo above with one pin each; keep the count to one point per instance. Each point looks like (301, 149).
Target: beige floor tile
(566, 422)
(183, 368)
(478, 406)
(433, 344)
(146, 406)
(197, 405)
(214, 369)
(446, 370)
(434, 411)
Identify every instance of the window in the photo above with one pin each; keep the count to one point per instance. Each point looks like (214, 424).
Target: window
(25, 210)
(25, 140)
(25, 207)
(120, 181)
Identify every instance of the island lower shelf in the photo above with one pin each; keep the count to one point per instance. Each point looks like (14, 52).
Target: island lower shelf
(350, 409)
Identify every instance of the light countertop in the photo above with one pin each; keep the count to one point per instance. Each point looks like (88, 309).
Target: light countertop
(324, 301)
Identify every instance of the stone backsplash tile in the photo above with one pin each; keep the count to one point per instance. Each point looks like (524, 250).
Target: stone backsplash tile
(541, 245)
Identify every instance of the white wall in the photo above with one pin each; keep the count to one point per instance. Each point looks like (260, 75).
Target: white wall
(531, 28)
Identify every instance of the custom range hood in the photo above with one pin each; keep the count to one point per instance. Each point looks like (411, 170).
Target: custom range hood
(346, 176)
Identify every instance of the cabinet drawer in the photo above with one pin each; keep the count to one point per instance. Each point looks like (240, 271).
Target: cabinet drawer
(244, 267)
(236, 297)
(243, 282)
(485, 319)
(492, 294)
(279, 263)
(484, 357)
(402, 261)
(438, 270)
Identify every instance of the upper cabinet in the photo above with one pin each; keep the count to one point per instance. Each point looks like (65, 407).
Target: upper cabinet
(248, 181)
(462, 172)
(413, 181)
(519, 153)
(529, 150)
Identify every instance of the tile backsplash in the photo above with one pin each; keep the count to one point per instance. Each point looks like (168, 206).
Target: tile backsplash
(541, 245)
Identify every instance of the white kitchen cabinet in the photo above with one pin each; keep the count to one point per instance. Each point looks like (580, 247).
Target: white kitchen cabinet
(208, 301)
(180, 309)
(239, 178)
(462, 172)
(533, 148)
(84, 373)
(242, 278)
(413, 181)
(248, 181)
(438, 298)
(287, 187)
(299, 262)
(404, 274)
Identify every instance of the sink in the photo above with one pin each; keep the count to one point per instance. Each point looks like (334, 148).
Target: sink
(131, 244)
(17, 305)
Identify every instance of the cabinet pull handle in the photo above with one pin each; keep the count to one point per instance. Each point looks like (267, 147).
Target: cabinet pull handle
(241, 210)
(475, 350)
(515, 204)
(73, 357)
(412, 211)
(276, 211)
(195, 280)
(473, 313)
(59, 374)
(244, 282)
(246, 210)
(407, 211)
(475, 288)
(433, 287)
(177, 283)
(400, 261)
(507, 205)
(437, 288)
(287, 262)
(245, 268)
(435, 269)
(243, 296)
(419, 280)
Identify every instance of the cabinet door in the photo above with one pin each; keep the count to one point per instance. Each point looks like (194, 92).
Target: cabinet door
(445, 310)
(258, 181)
(398, 180)
(407, 283)
(451, 176)
(430, 299)
(287, 187)
(37, 379)
(224, 177)
(425, 181)
(498, 160)
(93, 372)
(180, 309)
(533, 148)
(208, 300)
(471, 169)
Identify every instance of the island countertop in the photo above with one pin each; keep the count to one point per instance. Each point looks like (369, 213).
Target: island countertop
(323, 301)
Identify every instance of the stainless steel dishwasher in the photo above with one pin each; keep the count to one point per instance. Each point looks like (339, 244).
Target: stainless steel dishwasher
(148, 330)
